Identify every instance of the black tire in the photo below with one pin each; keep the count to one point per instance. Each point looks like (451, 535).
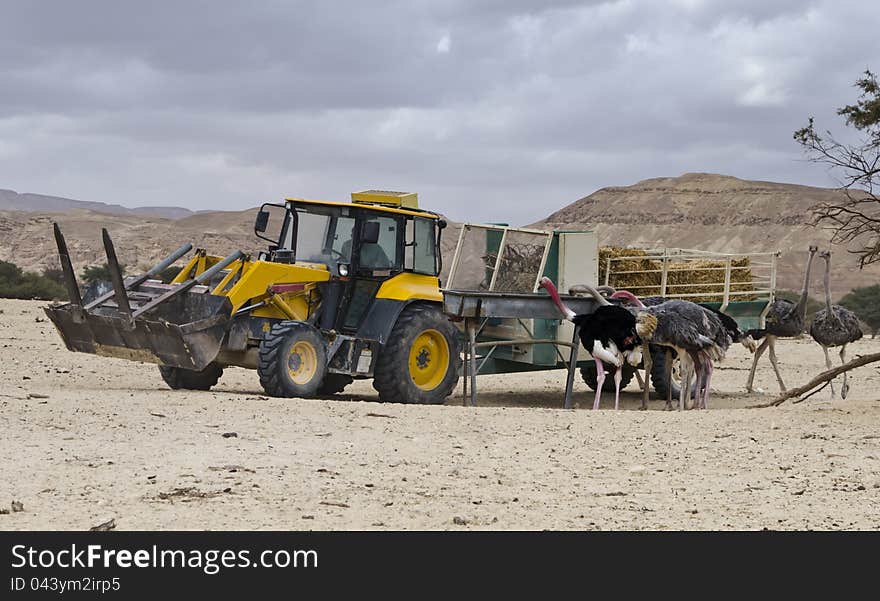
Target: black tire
(658, 375)
(588, 373)
(291, 346)
(426, 326)
(187, 379)
(334, 383)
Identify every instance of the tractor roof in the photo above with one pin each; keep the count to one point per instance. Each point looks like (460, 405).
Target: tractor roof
(369, 205)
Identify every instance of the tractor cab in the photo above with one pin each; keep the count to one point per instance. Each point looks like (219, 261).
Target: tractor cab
(380, 239)
(378, 235)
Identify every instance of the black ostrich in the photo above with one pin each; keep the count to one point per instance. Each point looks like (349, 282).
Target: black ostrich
(610, 334)
(785, 319)
(834, 326)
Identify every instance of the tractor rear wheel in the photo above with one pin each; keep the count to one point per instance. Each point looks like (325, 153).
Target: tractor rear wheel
(588, 373)
(292, 360)
(419, 363)
(179, 378)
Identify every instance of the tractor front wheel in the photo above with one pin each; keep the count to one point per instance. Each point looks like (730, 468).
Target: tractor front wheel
(186, 379)
(419, 363)
(292, 360)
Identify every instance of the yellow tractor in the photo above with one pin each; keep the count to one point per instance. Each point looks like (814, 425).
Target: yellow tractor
(344, 290)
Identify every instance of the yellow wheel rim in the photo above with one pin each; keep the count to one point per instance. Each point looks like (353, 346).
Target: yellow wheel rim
(429, 359)
(302, 362)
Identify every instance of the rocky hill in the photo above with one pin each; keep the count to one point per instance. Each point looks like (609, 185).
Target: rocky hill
(140, 240)
(717, 213)
(696, 210)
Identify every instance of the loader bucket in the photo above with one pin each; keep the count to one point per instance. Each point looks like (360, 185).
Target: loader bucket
(141, 319)
(185, 331)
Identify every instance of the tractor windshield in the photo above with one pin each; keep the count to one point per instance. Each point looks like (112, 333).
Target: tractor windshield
(323, 234)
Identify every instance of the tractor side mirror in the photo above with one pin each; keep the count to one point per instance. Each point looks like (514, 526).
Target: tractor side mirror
(262, 221)
(370, 232)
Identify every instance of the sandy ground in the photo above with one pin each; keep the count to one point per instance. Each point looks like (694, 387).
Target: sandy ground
(84, 439)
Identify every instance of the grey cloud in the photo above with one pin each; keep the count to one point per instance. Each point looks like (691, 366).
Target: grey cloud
(523, 108)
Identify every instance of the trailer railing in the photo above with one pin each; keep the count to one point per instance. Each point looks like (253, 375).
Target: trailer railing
(722, 278)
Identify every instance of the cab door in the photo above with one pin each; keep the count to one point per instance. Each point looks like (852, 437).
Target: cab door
(377, 257)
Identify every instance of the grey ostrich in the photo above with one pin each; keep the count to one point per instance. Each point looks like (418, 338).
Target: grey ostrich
(785, 319)
(834, 326)
(696, 335)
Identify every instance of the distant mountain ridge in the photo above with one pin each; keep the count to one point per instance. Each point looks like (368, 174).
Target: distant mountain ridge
(10, 200)
(719, 213)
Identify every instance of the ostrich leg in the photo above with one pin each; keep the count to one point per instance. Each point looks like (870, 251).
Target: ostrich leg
(828, 366)
(760, 351)
(772, 354)
(699, 372)
(647, 363)
(708, 379)
(844, 389)
(618, 375)
(600, 381)
(668, 365)
(686, 367)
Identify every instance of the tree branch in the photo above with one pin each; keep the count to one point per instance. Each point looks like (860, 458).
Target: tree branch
(825, 376)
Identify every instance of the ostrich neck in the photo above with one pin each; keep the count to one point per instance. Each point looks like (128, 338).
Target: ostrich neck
(551, 290)
(827, 280)
(802, 302)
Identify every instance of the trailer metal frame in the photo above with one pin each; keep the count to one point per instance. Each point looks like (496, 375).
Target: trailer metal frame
(476, 308)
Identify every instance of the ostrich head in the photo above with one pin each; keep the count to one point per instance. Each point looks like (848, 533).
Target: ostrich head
(628, 297)
(646, 323)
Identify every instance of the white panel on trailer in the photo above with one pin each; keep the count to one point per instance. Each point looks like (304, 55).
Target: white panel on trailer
(578, 264)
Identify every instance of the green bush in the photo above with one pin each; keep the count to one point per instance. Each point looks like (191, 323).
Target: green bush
(98, 273)
(15, 283)
(865, 303)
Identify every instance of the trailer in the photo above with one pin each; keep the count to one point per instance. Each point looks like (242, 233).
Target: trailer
(510, 325)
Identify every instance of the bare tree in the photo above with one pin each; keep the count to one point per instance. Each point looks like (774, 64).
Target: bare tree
(856, 217)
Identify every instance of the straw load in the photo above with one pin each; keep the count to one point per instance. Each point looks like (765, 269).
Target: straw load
(632, 270)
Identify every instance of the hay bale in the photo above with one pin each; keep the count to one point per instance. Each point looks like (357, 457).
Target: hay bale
(702, 277)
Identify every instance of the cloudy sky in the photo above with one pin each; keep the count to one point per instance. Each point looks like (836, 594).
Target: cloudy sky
(492, 110)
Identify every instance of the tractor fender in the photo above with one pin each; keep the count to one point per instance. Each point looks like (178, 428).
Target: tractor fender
(382, 316)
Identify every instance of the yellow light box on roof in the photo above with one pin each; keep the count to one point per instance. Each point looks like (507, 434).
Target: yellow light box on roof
(406, 200)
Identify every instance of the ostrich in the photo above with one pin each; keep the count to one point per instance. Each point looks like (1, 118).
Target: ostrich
(834, 326)
(733, 330)
(610, 334)
(785, 319)
(695, 333)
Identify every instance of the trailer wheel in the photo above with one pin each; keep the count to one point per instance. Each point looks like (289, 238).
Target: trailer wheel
(658, 374)
(419, 363)
(292, 360)
(334, 383)
(588, 373)
(186, 379)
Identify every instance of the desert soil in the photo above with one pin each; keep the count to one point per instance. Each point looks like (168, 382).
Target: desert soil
(84, 439)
